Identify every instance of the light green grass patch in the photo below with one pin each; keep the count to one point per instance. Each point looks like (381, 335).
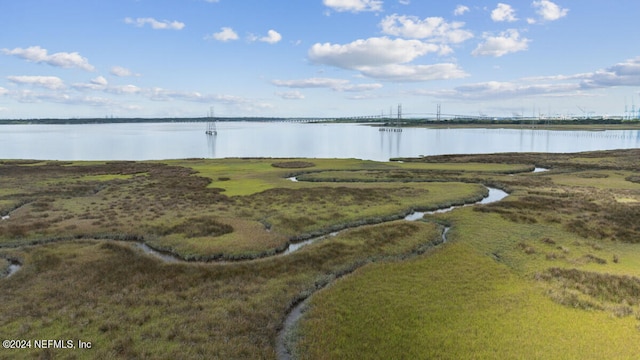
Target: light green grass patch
(248, 239)
(453, 304)
(601, 179)
(240, 177)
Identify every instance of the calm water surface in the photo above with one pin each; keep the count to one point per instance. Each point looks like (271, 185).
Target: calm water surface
(281, 139)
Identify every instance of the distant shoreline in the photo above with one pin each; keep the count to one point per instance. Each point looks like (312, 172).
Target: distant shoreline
(578, 124)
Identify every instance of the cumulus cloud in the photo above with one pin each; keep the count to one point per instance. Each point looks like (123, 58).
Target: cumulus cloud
(225, 34)
(549, 11)
(48, 82)
(626, 73)
(432, 28)
(353, 5)
(386, 59)
(155, 24)
(507, 42)
(99, 83)
(61, 59)
(272, 37)
(121, 71)
(503, 12)
(460, 10)
(370, 52)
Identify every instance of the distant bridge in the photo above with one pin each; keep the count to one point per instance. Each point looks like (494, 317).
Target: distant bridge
(331, 119)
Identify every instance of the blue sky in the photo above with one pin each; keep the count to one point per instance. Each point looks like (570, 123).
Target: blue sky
(161, 58)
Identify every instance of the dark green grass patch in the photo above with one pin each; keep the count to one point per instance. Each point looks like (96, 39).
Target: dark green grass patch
(293, 164)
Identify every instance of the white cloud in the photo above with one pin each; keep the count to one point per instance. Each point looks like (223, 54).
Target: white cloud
(99, 83)
(3, 91)
(290, 95)
(549, 11)
(622, 74)
(353, 5)
(122, 72)
(460, 10)
(311, 83)
(507, 42)
(243, 104)
(626, 73)
(502, 90)
(61, 59)
(370, 52)
(433, 28)
(386, 59)
(155, 24)
(404, 2)
(48, 82)
(225, 34)
(409, 73)
(124, 89)
(331, 83)
(503, 12)
(272, 37)
(359, 87)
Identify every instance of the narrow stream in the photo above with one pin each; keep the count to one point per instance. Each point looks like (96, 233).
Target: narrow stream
(14, 266)
(170, 258)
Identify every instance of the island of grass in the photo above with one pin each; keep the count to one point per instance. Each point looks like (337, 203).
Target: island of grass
(552, 271)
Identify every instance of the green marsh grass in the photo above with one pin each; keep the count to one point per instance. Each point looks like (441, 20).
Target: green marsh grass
(454, 303)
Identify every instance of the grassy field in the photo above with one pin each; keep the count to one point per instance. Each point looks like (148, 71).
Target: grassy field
(552, 271)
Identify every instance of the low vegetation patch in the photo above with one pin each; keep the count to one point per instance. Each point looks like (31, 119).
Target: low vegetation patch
(195, 227)
(293, 164)
(601, 289)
